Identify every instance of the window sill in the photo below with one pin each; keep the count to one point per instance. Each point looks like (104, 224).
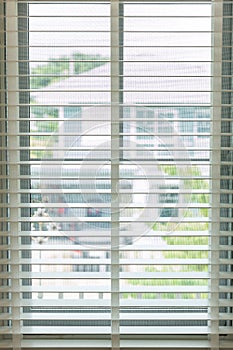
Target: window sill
(92, 344)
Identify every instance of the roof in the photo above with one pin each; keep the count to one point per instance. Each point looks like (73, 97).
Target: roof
(144, 82)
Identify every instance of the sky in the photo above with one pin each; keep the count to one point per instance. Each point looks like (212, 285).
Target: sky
(86, 28)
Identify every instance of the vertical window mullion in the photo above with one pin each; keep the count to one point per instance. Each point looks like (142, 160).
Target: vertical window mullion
(4, 239)
(115, 224)
(225, 309)
(13, 166)
(215, 174)
(24, 127)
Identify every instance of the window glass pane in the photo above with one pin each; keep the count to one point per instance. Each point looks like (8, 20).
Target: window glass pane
(160, 77)
(69, 52)
(167, 54)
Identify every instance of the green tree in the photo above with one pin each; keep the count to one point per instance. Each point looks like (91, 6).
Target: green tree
(46, 74)
(58, 68)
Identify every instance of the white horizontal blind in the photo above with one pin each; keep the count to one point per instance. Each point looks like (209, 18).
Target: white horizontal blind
(116, 228)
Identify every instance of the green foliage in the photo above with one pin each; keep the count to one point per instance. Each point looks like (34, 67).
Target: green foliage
(44, 75)
(58, 68)
(182, 226)
(189, 239)
(187, 254)
(87, 62)
(170, 170)
(47, 126)
(168, 282)
(197, 184)
(164, 295)
(186, 240)
(193, 183)
(41, 111)
(194, 267)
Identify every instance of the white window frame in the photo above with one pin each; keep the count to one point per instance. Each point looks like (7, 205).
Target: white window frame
(18, 343)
